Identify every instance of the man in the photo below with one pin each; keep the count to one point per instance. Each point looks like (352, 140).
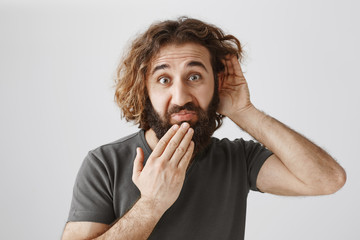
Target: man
(172, 180)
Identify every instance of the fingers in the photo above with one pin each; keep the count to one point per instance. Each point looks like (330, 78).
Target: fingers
(229, 66)
(175, 141)
(174, 145)
(163, 142)
(226, 68)
(182, 149)
(236, 67)
(184, 163)
(232, 66)
(138, 162)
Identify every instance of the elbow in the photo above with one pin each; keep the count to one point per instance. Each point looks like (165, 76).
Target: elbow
(341, 179)
(336, 181)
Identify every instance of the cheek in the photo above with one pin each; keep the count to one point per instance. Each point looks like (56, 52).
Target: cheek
(159, 102)
(204, 96)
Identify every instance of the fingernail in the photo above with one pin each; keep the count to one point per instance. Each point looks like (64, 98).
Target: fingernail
(190, 130)
(175, 127)
(185, 125)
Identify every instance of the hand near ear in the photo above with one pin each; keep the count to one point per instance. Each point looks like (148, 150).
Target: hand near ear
(233, 88)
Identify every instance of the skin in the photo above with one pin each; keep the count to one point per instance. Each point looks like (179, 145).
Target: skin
(297, 167)
(179, 74)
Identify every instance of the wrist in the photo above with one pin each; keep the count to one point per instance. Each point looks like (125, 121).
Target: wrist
(243, 114)
(248, 118)
(153, 207)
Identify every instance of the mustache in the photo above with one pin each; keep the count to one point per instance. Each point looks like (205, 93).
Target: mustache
(188, 106)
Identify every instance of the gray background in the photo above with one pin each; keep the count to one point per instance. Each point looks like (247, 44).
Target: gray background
(57, 60)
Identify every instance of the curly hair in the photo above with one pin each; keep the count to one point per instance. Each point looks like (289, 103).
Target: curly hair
(130, 87)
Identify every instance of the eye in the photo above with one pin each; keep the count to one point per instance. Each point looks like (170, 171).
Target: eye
(164, 80)
(194, 77)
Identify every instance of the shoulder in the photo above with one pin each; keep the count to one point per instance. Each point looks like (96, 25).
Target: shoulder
(120, 142)
(118, 151)
(239, 147)
(224, 148)
(118, 145)
(227, 143)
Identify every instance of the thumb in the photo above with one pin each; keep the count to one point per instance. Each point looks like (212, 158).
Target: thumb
(138, 162)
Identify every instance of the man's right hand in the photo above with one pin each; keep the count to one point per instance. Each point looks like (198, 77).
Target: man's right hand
(161, 179)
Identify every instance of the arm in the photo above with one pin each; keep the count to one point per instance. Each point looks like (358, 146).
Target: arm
(159, 181)
(137, 223)
(298, 167)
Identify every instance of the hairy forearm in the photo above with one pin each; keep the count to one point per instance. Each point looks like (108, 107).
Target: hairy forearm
(137, 223)
(305, 160)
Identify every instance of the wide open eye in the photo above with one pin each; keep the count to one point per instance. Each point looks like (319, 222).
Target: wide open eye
(194, 77)
(164, 80)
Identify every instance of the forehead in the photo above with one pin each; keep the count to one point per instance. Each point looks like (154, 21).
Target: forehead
(183, 52)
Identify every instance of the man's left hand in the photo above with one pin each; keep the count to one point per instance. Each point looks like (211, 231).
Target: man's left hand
(233, 89)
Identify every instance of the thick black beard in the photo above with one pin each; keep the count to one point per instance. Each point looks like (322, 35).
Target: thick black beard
(203, 128)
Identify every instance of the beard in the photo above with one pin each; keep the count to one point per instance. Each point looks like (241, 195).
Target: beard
(204, 127)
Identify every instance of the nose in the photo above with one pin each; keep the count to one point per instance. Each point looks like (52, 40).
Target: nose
(181, 93)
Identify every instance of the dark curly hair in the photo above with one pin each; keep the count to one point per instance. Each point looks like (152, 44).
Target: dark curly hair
(130, 87)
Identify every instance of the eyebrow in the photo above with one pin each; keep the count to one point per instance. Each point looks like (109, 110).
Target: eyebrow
(196, 64)
(160, 67)
(190, 64)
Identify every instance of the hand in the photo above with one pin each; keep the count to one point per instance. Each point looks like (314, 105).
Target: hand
(161, 179)
(233, 89)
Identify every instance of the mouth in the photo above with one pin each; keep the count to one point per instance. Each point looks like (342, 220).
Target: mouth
(184, 116)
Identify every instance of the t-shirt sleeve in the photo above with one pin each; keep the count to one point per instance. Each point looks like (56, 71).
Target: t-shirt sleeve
(255, 154)
(92, 195)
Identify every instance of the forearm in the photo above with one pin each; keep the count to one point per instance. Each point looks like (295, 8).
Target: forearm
(305, 160)
(137, 223)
